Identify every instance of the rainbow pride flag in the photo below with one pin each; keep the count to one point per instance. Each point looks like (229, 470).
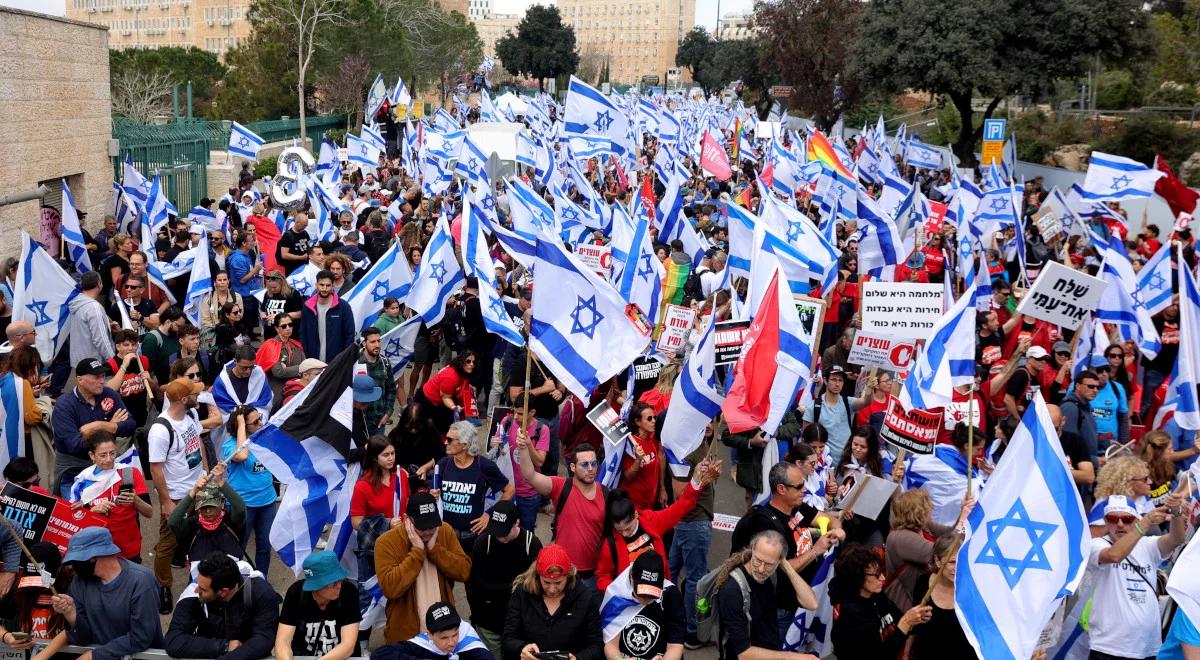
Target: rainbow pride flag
(820, 149)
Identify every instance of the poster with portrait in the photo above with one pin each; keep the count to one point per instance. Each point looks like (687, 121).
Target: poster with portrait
(812, 319)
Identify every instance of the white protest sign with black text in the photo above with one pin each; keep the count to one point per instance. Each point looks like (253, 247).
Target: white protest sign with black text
(1062, 296)
(905, 310)
(676, 327)
(886, 353)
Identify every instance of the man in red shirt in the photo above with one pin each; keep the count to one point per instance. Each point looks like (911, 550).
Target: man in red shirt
(578, 512)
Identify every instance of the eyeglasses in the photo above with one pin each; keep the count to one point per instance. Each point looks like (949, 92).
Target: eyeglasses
(588, 465)
(1064, 353)
(1115, 356)
(132, 286)
(1090, 386)
(195, 375)
(648, 418)
(1114, 519)
(794, 486)
(284, 325)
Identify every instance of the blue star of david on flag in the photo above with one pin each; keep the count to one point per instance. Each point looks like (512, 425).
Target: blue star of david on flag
(647, 270)
(381, 290)
(1120, 182)
(488, 202)
(438, 270)
(1157, 282)
(39, 307)
(363, 149)
(603, 121)
(795, 230)
(1035, 557)
(569, 213)
(303, 287)
(578, 327)
(497, 307)
(391, 349)
(244, 141)
(999, 204)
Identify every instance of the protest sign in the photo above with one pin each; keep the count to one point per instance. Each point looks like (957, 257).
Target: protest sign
(915, 430)
(937, 218)
(676, 327)
(498, 413)
(1048, 223)
(596, 257)
(728, 342)
(724, 522)
(865, 494)
(1062, 296)
(45, 518)
(812, 321)
(906, 310)
(886, 353)
(645, 375)
(607, 420)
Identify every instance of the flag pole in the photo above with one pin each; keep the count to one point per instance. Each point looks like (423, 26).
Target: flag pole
(528, 373)
(938, 576)
(970, 436)
(24, 549)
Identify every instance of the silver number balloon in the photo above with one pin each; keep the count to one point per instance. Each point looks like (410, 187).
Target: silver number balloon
(287, 191)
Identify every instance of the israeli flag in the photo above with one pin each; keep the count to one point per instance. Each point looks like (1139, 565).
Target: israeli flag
(42, 296)
(376, 95)
(579, 327)
(390, 277)
(327, 161)
(244, 142)
(370, 133)
(676, 225)
(1154, 281)
(401, 98)
(159, 209)
(879, 243)
(590, 113)
(741, 224)
(620, 605)
(1116, 178)
(1187, 414)
(399, 344)
(409, 152)
(478, 263)
(948, 359)
(12, 416)
(697, 397)
(640, 279)
(1118, 304)
(529, 213)
(435, 176)
(487, 110)
(923, 156)
(438, 276)
(199, 284)
(362, 151)
(812, 631)
(468, 640)
(803, 235)
(472, 163)
(72, 232)
(1027, 544)
(133, 183)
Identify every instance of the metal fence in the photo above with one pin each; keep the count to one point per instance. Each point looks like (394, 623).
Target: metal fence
(178, 151)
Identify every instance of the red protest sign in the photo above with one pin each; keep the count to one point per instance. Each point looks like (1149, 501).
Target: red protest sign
(45, 518)
(915, 431)
(937, 217)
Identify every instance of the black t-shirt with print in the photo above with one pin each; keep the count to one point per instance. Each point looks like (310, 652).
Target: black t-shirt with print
(318, 631)
(658, 624)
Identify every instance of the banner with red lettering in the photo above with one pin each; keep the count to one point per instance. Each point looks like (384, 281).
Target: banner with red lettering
(45, 518)
(727, 345)
(888, 353)
(713, 158)
(677, 325)
(915, 431)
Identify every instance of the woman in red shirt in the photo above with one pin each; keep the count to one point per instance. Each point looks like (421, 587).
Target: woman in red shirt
(880, 396)
(449, 392)
(659, 396)
(377, 492)
(641, 475)
(118, 493)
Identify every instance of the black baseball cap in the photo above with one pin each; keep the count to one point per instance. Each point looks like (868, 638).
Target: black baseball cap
(647, 574)
(441, 616)
(91, 367)
(504, 516)
(422, 508)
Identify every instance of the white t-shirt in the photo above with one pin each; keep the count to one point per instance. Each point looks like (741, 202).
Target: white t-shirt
(1125, 617)
(183, 464)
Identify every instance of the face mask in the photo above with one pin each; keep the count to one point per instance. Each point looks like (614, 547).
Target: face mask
(85, 569)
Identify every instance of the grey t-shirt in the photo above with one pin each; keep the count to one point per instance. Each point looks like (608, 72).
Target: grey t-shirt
(322, 309)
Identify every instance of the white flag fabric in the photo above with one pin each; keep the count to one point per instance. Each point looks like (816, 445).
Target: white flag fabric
(1154, 281)
(1027, 546)
(1184, 583)
(390, 277)
(589, 113)
(376, 95)
(199, 285)
(437, 277)
(579, 327)
(362, 151)
(812, 631)
(72, 232)
(1116, 178)
(134, 184)
(696, 399)
(244, 142)
(1187, 413)
(42, 295)
(947, 360)
(12, 416)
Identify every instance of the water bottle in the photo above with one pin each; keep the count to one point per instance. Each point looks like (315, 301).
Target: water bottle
(702, 606)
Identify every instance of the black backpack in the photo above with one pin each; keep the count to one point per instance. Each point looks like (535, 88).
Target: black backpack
(693, 288)
(821, 402)
(454, 325)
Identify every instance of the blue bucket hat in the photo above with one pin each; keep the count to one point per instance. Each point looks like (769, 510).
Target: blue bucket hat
(322, 569)
(89, 543)
(365, 389)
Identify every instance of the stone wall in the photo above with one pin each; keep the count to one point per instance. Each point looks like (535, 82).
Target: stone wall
(54, 115)
(223, 169)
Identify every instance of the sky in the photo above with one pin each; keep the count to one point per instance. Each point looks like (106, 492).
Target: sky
(706, 10)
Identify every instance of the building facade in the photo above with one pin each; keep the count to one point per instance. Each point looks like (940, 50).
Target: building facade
(212, 25)
(635, 38)
(734, 26)
(55, 114)
(493, 28)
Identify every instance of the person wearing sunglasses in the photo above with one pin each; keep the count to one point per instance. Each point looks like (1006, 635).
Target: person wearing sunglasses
(1125, 618)
(280, 356)
(1079, 417)
(1128, 476)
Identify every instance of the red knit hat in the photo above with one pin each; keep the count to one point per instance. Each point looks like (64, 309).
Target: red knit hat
(553, 562)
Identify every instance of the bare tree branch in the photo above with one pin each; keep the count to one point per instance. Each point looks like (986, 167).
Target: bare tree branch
(141, 95)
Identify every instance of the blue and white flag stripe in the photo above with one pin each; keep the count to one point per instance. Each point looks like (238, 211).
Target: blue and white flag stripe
(244, 142)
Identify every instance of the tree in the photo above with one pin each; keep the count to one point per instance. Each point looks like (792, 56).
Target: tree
(813, 38)
(344, 91)
(994, 47)
(307, 23)
(696, 51)
(262, 78)
(742, 59)
(449, 50)
(542, 47)
(141, 95)
(179, 65)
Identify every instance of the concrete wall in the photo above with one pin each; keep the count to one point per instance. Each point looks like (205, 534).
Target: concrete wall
(54, 115)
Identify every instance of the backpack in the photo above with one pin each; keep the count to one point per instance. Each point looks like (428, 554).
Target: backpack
(562, 502)
(142, 437)
(820, 401)
(708, 613)
(693, 288)
(455, 325)
(377, 242)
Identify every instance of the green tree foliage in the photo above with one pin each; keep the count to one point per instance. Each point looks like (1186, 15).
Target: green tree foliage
(180, 65)
(543, 47)
(806, 44)
(993, 48)
(448, 51)
(262, 78)
(696, 52)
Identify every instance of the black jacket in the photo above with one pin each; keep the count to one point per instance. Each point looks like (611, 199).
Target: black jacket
(574, 628)
(202, 631)
(866, 627)
(410, 651)
(494, 566)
